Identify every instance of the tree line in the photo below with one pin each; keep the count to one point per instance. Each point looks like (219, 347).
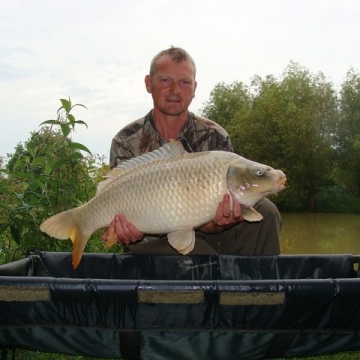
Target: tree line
(298, 123)
(302, 125)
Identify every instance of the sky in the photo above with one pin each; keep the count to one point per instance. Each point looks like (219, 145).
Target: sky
(97, 52)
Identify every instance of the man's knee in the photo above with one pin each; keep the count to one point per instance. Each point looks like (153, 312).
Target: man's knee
(267, 208)
(270, 212)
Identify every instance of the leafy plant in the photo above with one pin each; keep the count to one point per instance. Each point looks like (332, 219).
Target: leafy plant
(46, 175)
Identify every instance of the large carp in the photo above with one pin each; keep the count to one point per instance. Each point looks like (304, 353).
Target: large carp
(168, 191)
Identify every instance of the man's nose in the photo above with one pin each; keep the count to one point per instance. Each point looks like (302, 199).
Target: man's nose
(175, 88)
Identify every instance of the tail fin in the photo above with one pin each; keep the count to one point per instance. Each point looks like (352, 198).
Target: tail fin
(64, 226)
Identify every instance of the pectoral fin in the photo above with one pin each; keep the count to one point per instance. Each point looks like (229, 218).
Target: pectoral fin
(111, 240)
(183, 240)
(250, 214)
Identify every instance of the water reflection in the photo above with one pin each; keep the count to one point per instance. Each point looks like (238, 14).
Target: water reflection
(320, 233)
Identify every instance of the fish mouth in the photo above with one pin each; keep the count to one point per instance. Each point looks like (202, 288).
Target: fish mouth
(281, 185)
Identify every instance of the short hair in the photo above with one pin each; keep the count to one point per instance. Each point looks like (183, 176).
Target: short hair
(176, 54)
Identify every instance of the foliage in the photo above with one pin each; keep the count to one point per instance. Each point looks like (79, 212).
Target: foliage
(46, 175)
(228, 104)
(336, 202)
(348, 134)
(295, 123)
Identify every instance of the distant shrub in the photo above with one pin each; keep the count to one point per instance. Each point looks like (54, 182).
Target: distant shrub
(337, 203)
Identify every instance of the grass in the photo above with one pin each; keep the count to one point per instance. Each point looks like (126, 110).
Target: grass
(21, 354)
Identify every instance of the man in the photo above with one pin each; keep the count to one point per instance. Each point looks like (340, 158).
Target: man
(171, 82)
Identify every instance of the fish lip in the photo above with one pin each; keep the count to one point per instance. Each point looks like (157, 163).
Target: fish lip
(281, 184)
(282, 181)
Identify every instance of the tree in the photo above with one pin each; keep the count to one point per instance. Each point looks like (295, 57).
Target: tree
(301, 114)
(2, 171)
(287, 123)
(226, 105)
(348, 134)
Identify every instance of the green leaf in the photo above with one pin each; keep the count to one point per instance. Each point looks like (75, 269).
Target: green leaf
(16, 229)
(47, 169)
(58, 164)
(38, 161)
(30, 150)
(81, 122)
(71, 118)
(78, 146)
(50, 122)
(41, 185)
(80, 105)
(49, 164)
(17, 164)
(65, 128)
(15, 233)
(66, 104)
(18, 175)
(76, 155)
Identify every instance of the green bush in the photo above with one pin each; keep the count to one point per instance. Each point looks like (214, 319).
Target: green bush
(335, 200)
(46, 175)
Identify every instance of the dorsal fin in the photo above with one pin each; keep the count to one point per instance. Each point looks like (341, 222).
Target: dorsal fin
(172, 149)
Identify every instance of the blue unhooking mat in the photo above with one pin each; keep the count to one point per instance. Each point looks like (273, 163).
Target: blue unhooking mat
(181, 307)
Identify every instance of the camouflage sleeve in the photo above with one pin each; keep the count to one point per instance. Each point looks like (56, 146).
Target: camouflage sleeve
(208, 135)
(124, 145)
(119, 152)
(137, 138)
(224, 142)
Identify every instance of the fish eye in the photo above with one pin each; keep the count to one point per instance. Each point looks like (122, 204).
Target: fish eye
(259, 172)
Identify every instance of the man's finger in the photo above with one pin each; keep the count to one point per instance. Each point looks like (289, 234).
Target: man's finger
(237, 210)
(226, 205)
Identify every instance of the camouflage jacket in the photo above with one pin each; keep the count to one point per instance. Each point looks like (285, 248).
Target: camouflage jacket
(141, 136)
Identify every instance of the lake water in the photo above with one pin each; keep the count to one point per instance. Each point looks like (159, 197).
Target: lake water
(313, 233)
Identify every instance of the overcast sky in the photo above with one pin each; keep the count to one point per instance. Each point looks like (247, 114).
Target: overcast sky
(99, 51)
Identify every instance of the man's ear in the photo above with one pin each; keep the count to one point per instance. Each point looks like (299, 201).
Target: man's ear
(195, 85)
(148, 83)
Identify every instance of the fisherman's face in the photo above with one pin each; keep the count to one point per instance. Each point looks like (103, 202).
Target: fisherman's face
(172, 86)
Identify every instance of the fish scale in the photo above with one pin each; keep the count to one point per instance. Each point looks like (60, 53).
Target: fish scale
(168, 196)
(168, 191)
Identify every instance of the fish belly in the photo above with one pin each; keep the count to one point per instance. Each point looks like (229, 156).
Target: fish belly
(163, 196)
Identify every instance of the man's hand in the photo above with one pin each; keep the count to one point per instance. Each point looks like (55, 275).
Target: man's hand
(123, 231)
(224, 217)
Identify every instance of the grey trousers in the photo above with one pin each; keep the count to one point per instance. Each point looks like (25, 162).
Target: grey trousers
(245, 238)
